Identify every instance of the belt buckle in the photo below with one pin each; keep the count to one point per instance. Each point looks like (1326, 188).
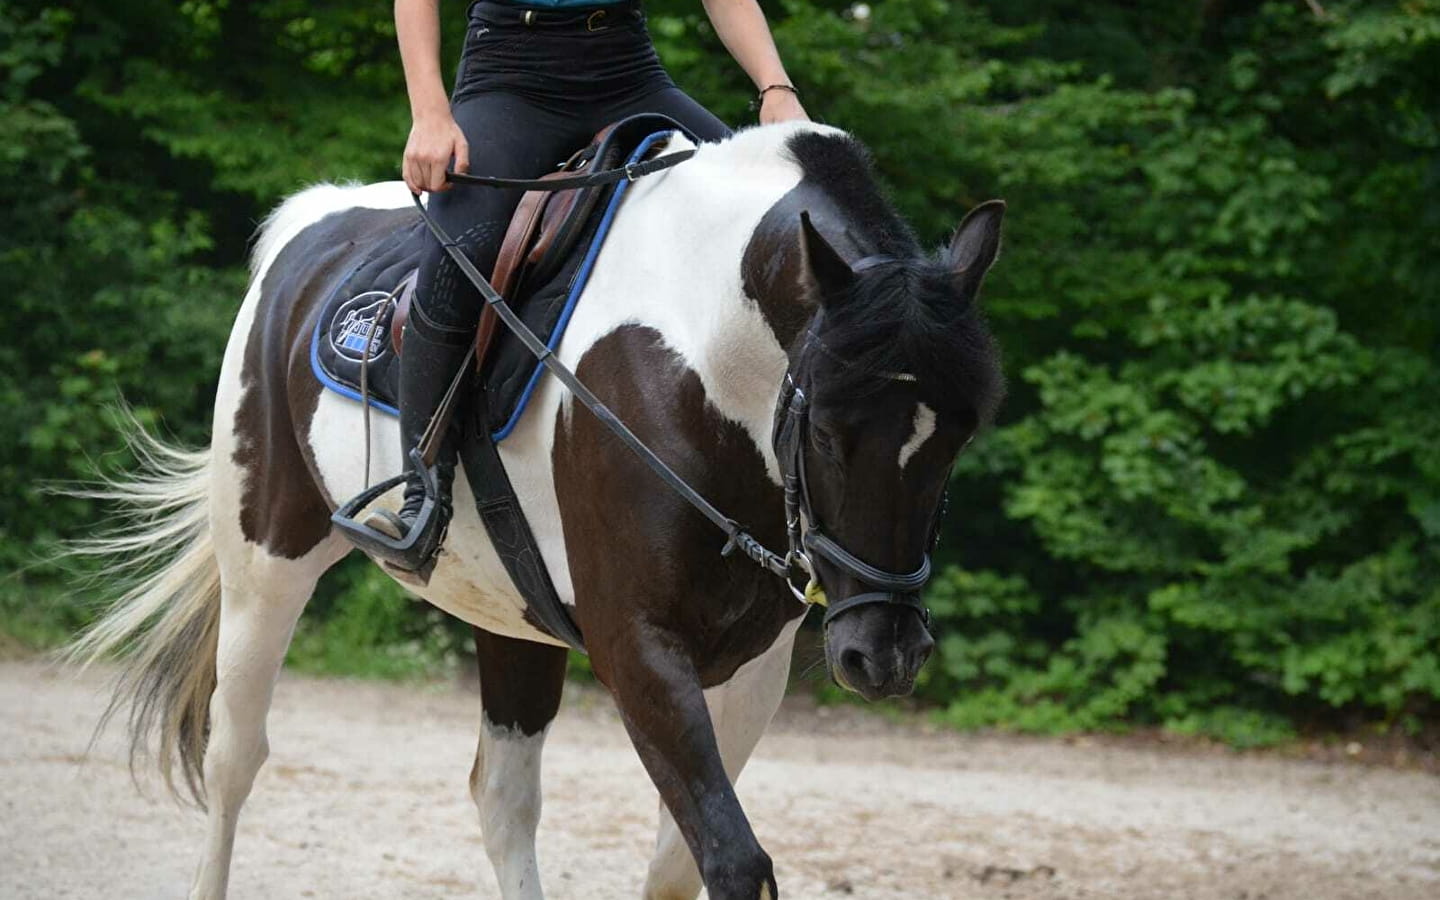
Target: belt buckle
(592, 20)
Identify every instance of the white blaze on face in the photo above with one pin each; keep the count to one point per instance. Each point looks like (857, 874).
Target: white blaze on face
(924, 427)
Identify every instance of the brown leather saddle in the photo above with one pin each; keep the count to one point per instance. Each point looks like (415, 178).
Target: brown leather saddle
(545, 227)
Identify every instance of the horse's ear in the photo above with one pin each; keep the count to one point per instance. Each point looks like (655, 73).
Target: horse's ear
(976, 242)
(824, 271)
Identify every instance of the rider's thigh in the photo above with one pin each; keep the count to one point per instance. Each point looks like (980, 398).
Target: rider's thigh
(508, 136)
(680, 106)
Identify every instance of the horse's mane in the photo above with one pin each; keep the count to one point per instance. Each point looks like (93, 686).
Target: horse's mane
(909, 314)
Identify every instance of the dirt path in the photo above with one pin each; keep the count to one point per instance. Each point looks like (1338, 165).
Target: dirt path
(364, 796)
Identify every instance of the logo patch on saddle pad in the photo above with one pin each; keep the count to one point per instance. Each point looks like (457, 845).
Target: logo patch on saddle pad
(361, 319)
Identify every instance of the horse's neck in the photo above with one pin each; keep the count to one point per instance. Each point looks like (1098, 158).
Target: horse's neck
(677, 254)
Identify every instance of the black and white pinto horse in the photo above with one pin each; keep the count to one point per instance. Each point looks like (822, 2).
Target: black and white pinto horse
(769, 256)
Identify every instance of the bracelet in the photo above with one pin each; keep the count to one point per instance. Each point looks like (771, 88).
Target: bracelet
(760, 97)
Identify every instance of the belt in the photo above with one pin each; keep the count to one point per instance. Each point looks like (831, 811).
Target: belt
(579, 18)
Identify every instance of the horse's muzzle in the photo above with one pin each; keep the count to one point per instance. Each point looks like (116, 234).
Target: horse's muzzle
(877, 650)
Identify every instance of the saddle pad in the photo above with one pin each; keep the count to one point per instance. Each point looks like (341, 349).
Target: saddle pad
(359, 309)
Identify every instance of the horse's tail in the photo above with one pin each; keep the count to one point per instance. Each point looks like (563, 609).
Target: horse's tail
(165, 624)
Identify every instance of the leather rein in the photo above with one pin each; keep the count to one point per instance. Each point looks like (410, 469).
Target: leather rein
(790, 439)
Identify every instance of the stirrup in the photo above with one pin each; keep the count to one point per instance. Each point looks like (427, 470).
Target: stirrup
(412, 557)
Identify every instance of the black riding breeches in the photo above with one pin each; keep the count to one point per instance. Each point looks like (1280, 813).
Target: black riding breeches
(526, 97)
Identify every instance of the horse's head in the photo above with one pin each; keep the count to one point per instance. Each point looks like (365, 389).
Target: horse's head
(889, 380)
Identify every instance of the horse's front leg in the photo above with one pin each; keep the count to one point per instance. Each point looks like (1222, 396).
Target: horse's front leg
(657, 690)
(520, 688)
(740, 710)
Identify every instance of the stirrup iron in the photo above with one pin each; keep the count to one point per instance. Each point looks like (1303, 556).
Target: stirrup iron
(414, 554)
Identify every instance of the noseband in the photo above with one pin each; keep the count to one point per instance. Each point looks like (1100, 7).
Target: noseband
(808, 541)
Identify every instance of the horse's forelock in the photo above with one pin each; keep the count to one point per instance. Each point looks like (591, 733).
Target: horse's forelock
(910, 317)
(907, 315)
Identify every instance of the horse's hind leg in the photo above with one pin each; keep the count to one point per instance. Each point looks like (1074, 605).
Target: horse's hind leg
(740, 710)
(520, 687)
(261, 599)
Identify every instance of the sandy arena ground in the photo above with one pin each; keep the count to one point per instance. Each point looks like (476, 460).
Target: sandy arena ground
(364, 797)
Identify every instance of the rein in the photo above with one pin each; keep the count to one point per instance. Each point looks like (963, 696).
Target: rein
(803, 531)
(627, 172)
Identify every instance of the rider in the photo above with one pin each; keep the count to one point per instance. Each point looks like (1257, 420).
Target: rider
(536, 81)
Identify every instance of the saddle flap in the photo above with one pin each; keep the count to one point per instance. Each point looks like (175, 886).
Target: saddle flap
(519, 235)
(564, 218)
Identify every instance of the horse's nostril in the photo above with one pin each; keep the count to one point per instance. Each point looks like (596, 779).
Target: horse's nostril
(855, 664)
(920, 652)
(919, 655)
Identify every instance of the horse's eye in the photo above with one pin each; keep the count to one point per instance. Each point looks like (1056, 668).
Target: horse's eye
(825, 442)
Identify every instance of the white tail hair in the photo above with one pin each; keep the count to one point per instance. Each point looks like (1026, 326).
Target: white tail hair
(165, 623)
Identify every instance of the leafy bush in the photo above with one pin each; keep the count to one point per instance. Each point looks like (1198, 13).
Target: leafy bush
(359, 623)
(1220, 471)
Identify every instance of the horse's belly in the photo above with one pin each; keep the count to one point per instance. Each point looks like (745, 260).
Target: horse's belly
(469, 581)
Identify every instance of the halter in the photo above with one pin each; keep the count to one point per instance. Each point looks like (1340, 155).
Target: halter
(803, 527)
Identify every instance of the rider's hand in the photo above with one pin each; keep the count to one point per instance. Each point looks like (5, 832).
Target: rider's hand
(780, 106)
(434, 141)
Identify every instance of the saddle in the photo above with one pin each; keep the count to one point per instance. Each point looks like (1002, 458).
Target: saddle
(546, 226)
(541, 270)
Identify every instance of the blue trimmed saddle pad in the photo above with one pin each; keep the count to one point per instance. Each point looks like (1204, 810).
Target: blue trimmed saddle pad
(358, 314)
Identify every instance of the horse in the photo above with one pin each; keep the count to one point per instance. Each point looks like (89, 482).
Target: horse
(766, 265)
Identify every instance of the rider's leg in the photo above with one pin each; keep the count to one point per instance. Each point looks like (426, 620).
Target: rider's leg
(525, 99)
(508, 136)
(675, 103)
(432, 355)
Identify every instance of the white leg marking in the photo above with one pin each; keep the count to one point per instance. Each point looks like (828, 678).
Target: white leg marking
(506, 786)
(924, 427)
(261, 598)
(741, 710)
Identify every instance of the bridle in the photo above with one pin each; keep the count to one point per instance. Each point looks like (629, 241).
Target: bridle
(808, 541)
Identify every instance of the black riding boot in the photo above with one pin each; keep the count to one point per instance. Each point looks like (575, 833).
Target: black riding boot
(429, 359)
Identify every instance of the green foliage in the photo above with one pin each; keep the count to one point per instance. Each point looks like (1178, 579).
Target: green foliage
(1213, 500)
(141, 144)
(1219, 469)
(359, 624)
